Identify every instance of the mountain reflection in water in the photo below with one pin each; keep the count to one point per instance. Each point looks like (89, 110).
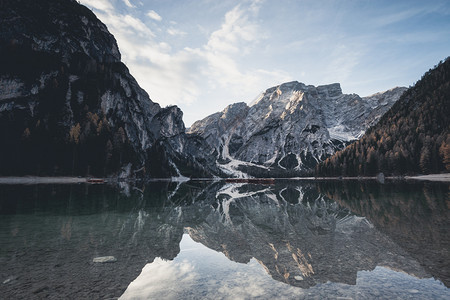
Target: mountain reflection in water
(307, 235)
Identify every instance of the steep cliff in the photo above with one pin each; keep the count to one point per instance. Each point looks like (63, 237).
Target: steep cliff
(68, 105)
(289, 128)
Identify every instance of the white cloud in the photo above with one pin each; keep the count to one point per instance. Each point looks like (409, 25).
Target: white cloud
(174, 31)
(156, 276)
(226, 50)
(103, 5)
(202, 57)
(166, 76)
(154, 15)
(234, 32)
(128, 3)
(137, 26)
(191, 75)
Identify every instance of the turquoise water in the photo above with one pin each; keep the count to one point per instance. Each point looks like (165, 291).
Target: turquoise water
(212, 240)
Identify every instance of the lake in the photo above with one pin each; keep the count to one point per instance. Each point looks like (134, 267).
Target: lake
(218, 240)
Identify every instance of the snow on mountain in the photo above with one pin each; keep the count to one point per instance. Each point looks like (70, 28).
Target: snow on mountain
(289, 128)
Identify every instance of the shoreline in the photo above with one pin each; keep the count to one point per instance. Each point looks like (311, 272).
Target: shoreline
(11, 180)
(42, 180)
(430, 177)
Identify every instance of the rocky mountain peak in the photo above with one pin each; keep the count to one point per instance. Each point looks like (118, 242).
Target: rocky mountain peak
(330, 90)
(169, 120)
(289, 86)
(289, 128)
(234, 108)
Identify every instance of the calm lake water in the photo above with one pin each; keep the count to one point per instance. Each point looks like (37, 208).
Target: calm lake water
(217, 240)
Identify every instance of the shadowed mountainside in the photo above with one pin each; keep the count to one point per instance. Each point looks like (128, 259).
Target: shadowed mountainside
(69, 106)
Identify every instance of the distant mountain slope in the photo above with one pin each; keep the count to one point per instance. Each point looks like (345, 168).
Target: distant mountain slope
(69, 106)
(289, 128)
(412, 137)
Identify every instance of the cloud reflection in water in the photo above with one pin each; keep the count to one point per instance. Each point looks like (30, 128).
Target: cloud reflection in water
(199, 272)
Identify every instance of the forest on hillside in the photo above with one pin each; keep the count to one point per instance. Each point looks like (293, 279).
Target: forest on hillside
(413, 137)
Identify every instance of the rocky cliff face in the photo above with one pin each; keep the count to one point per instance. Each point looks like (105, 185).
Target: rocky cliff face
(289, 128)
(68, 105)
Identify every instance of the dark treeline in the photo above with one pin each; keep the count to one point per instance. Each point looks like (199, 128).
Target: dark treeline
(413, 137)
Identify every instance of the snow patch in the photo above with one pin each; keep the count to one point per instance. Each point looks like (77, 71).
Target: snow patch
(273, 197)
(175, 190)
(232, 167)
(272, 160)
(339, 132)
(232, 190)
(349, 223)
(226, 211)
(179, 177)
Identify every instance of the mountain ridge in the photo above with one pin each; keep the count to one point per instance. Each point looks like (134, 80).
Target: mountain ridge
(69, 106)
(290, 127)
(413, 137)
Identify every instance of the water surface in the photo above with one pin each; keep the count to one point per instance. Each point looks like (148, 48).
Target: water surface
(214, 240)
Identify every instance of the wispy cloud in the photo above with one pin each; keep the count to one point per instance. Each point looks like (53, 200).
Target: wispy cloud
(408, 12)
(154, 15)
(342, 61)
(393, 18)
(236, 30)
(128, 3)
(164, 74)
(174, 31)
(102, 5)
(237, 37)
(204, 55)
(179, 76)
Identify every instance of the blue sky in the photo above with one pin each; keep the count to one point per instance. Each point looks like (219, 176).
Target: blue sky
(203, 55)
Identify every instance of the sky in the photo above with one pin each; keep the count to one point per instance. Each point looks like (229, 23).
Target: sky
(203, 55)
